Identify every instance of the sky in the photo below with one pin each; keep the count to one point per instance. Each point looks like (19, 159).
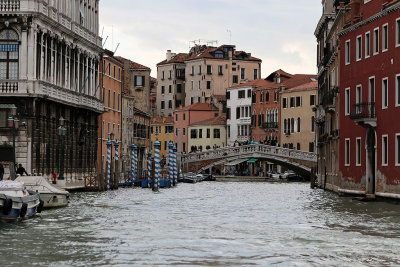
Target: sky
(280, 32)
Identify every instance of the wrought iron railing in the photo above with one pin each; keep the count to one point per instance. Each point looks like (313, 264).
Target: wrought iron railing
(270, 125)
(363, 111)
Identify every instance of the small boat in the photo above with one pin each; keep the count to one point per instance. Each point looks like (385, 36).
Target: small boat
(17, 203)
(53, 196)
(189, 178)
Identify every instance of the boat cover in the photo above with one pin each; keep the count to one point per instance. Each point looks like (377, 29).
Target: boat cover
(41, 185)
(8, 185)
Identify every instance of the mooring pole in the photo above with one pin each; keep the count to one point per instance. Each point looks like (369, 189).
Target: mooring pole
(149, 169)
(175, 166)
(133, 165)
(108, 164)
(157, 147)
(171, 163)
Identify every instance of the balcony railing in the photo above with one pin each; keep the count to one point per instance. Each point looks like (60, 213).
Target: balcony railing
(9, 5)
(8, 87)
(270, 125)
(363, 111)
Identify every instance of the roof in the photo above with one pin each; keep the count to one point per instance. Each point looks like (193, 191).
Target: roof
(199, 107)
(159, 120)
(133, 65)
(220, 120)
(299, 79)
(179, 58)
(259, 83)
(281, 74)
(310, 85)
(208, 52)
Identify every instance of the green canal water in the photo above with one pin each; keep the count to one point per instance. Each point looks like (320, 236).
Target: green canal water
(208, 224)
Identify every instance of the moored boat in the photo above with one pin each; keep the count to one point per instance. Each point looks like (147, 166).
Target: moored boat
(17, 203)
(52, 196)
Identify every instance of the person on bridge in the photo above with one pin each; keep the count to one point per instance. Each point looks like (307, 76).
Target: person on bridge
(21, 170)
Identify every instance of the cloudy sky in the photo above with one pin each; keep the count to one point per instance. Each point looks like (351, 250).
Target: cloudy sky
(280, 32)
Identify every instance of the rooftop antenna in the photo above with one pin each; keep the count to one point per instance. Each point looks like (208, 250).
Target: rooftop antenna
(230, 36)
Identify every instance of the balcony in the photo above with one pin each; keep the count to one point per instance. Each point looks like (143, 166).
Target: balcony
(245, 121)
(364, 114)
(9, 5)
(270, 126)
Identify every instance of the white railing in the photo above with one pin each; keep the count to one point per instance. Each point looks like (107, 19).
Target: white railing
(9, 5)
(252, 150)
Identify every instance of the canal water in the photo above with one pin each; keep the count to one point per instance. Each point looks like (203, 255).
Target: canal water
(208, 224)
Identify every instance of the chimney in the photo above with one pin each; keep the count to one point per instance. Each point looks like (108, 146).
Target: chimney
(169, 55)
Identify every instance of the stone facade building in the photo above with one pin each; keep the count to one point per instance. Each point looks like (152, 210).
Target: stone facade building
(49, 69)
(162, 130)
(207, 134)
(171, 84)
(136, 111)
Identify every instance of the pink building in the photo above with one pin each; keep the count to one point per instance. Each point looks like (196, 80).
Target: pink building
(185, 116)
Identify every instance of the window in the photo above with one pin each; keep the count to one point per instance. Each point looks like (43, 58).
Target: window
(367, 45)
(384, 150)
(163, 89)
(238, 113)
(242, 94)
(200, 133)
(179, 88)
(347, 52)
(103, 132)
(385, 37)
(9, 55)
(170, 89)
(372, 89)
(255, 74)
(162, 75)
(193, 134)
(385, 100)
(113, 100)
(220, 72)
(298, 101)
(192, 73)
(162, 105)
(217, 133)
(253, 98)
(312, 124)
(199, 85)
(358, 48)
(284, 102)
(139, 80)
(192, 85)
(184, 116)
(228, 129)
(109, 98)
(170, 104)
(276, 96)
(228, 95)
(397, 150)
(208, 133)
(347, 152)
(219, 54)
(209, 69)
(376, 41)
(104, 95)
(228, 113)
(208, 84)
(242, 73)
(298, 125)
(119, 97)
(398, 32)
(248, 93)
(312, 100)
(184, 131)
(261, 97)
(200, 70)
(397, 90)
(235, 79)
(311, 147)
(266, 97)
(358, 151)
(347, 102)
(292, 99)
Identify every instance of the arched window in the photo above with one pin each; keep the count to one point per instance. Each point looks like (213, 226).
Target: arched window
(9, 54)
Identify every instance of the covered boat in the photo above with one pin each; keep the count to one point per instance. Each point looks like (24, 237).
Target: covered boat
(53, 196)
(17, 203)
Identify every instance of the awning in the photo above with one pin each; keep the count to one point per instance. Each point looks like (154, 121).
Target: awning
(252, 160)
(235, 162)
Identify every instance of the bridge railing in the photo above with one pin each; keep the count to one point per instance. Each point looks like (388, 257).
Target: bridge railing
(228, 152)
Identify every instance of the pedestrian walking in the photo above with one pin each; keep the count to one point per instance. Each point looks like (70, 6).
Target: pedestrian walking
(21, 170)
(1, 170)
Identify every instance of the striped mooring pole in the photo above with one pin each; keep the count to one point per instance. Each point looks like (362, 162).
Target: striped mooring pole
(116, 150)
(149, 169)
(157, 147)
(133, 165)
(108, 164)
(171, 163)
(175, 167)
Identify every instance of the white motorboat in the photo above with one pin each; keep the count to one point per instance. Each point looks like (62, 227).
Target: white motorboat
(53, 196)
(16, 202)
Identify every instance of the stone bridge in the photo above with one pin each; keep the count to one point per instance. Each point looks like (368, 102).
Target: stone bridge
(300, 162)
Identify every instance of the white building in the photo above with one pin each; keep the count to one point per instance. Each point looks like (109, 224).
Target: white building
(238, 114)
(49, 69)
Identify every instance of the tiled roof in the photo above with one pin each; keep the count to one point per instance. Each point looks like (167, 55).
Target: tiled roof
(259, 83)
(220, 120)
(309, 85)
(158, 120)
(299, 79)
(199, 106)
(281, 74)
(133, 65)
(208, 53)
(179, 58)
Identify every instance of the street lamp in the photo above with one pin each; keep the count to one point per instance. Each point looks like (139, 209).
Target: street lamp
(61, 132)
(15, 125)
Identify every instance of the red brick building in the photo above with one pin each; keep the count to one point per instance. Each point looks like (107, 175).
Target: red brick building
(370, 98)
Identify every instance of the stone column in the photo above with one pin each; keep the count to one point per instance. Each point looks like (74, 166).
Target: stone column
(31, 53)
(78, 74)
(24, 54)
(85, 76)
(43, 58)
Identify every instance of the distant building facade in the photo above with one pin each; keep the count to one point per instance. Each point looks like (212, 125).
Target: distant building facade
(207, 134)
(49, 69)
(162, 130)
